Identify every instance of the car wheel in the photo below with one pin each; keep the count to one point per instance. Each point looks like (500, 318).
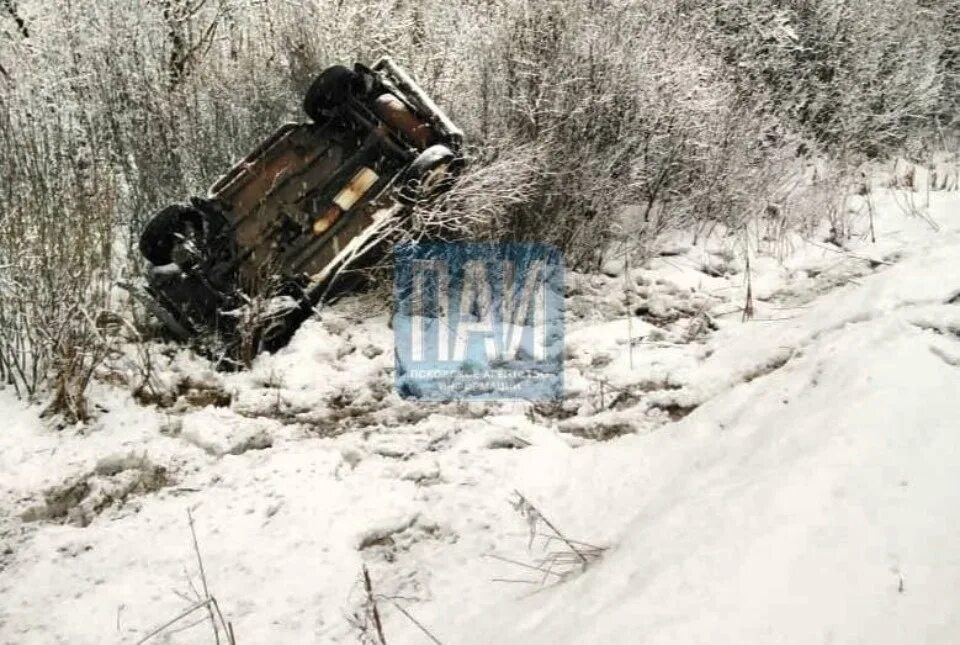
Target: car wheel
(329, 90)
(164, 230)
(428, 175)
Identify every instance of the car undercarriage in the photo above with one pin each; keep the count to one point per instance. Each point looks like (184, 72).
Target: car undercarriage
(246, 264)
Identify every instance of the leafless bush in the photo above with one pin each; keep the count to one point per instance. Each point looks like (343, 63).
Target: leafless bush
(56, 252)
(860, 76)
(477, 203)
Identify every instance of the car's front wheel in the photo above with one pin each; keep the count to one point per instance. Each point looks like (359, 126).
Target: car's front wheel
(428, 175)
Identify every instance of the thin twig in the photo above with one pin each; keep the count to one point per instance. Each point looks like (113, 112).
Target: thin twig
(849, 253)
(179, 617)
(521, 564)
(748, 310)
(415, 622)
(203, 578)
(188, 626)
(227, 627)
(368, 587)
(587, 545)
(553, 528)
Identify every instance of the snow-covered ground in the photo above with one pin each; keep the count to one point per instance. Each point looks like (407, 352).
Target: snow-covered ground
(790, 479)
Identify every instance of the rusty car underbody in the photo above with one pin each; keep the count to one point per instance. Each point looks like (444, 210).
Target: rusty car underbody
(248, 263)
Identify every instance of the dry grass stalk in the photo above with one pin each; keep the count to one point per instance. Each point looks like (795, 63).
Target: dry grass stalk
(558, 565)
(206, 601)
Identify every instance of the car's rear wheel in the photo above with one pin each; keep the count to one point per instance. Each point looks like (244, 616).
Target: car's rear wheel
(330, 90)
(428, 175)
(165, 230)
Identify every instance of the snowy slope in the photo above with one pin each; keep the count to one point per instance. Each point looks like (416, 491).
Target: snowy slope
(792, 479)
(791, 509)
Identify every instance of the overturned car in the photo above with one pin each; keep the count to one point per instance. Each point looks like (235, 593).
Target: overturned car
(248, 263)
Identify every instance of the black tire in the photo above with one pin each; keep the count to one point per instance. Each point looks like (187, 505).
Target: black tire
(420, 181)
(330, 90)
(160, 235)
